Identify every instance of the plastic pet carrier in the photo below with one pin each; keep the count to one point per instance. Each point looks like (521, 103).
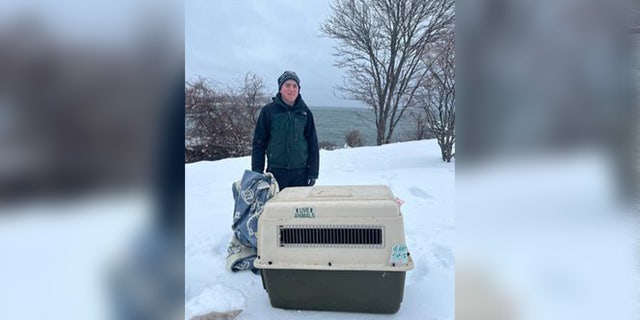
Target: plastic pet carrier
(337, 248)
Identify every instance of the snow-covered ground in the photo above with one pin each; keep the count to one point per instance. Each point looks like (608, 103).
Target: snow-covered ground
(536, 237)
(414, 172)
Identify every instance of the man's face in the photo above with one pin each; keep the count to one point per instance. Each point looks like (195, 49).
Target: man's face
(289, 91)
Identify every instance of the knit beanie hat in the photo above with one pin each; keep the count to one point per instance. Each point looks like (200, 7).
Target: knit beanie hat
(286, 76)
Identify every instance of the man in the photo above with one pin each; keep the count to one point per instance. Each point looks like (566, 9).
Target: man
(286, 132)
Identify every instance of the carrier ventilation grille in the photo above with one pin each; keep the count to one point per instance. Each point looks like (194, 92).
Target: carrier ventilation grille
(331, 236)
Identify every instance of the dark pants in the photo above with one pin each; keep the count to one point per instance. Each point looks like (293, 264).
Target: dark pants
(290, 177)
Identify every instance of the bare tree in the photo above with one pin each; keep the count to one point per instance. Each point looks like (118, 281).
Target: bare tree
(221, 121)
(437, 94)
(200, 99)
(253, 92)
(381, 45)
(353, 138)
(420, 128)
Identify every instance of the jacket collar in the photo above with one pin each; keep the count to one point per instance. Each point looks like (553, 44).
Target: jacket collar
(299, 103)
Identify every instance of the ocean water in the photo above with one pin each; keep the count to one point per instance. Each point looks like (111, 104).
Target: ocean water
(333, 123)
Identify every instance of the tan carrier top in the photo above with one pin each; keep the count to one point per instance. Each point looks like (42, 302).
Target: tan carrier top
(333, 228)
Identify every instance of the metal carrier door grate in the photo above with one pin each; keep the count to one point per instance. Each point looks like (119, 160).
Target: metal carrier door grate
(331, 236)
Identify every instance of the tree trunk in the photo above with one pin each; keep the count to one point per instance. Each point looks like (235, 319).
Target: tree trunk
(380, 139)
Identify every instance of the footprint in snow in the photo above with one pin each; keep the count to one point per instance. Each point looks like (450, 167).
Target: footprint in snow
(201, 246)
(444, 255)
(420, 272)
(417, 192)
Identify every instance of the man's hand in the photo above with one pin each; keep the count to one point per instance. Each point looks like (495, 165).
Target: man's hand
(311, 182)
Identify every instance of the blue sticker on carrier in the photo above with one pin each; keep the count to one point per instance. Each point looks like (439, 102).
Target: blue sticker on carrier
(399, 255)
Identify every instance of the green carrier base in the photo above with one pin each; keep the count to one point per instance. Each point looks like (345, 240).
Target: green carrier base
(329, 290)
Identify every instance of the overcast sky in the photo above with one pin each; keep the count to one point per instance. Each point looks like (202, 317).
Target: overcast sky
(224, 39)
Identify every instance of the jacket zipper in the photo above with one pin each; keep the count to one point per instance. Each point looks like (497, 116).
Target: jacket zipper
(287, 144)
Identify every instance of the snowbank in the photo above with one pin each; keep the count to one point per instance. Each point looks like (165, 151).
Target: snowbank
(413, 171)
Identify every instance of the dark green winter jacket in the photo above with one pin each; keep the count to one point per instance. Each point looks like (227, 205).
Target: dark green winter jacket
(287, 135)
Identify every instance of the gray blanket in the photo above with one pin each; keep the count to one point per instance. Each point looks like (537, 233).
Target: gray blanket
(250, 194)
